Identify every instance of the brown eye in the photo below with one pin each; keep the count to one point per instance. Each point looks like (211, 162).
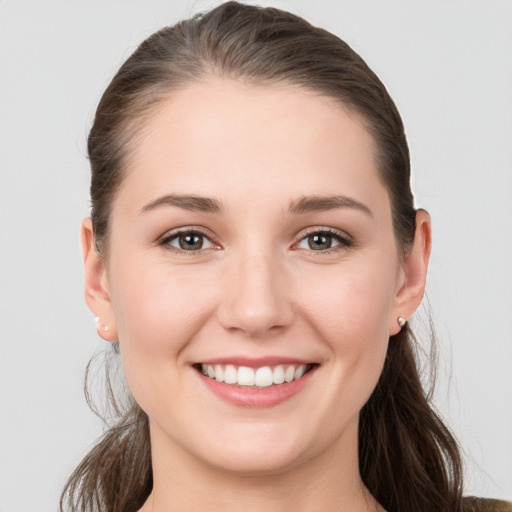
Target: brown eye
(322, 241)
(189, 241)
(319, 241)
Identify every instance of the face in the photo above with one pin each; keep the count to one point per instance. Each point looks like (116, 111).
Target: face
(251, 240)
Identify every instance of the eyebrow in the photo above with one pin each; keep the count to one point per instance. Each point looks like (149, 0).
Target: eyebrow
(322, 203)
(304, 204)
(192, 203)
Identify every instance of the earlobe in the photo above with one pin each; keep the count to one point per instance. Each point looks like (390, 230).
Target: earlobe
(97, 294)
(414, 269)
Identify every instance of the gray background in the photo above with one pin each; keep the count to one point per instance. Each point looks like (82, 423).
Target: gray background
(448, 66)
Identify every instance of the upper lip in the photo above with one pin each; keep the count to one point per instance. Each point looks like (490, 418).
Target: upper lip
(257, 362)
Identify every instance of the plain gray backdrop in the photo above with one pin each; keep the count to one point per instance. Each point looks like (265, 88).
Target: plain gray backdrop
(447, 64)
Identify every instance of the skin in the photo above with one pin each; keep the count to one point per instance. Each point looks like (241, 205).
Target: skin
(257, 288)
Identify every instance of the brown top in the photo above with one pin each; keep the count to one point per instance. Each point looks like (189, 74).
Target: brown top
(473, 504)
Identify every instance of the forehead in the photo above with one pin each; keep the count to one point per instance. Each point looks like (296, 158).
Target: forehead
(252, 138)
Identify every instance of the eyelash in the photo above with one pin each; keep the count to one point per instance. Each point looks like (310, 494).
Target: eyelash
(167, 239)
(344, 241)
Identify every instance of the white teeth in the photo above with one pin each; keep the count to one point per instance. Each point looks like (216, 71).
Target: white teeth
(264, 377)
(278, 377)
(299, 372)
(245, 376)
(219, 373)
(260, 377)
(230, 374)
(289, 374)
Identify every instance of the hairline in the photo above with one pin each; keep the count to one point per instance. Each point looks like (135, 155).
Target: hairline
(133, 128)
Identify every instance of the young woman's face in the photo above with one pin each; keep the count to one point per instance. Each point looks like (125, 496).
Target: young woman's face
(252, 240)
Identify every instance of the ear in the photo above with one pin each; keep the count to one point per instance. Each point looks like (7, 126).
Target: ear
(97, 294)
(414, 273)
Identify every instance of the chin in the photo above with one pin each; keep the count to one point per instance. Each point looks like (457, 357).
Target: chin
(253, 451)
(255, 462)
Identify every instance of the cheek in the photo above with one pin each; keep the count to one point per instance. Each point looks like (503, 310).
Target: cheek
(157, 312)
(350, 304)
(350, 315)
(157, 307)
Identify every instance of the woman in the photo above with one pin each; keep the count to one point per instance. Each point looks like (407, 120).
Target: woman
(254, 254)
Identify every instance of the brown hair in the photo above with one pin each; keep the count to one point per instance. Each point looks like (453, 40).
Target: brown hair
(408, 459)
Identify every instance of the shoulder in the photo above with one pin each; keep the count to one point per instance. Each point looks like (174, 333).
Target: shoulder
(472, 504)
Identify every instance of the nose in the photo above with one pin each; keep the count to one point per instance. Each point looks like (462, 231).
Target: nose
(256, 301)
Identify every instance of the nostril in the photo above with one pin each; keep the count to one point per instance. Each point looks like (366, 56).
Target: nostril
(255, 322)
(256, 300)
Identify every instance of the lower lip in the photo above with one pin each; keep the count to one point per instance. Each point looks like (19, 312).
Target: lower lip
(257, 397)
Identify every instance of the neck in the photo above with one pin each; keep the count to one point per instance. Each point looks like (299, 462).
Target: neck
(329, 482)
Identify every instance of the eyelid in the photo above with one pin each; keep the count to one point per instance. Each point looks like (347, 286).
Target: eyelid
(344, 239)
(165, 239)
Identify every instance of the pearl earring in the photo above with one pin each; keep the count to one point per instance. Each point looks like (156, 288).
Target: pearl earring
(104, 327)
(401, 322)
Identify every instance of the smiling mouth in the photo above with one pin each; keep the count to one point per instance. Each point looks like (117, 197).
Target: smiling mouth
(262, 377)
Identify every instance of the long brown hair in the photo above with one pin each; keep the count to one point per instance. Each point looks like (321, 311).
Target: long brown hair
(408, 459)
